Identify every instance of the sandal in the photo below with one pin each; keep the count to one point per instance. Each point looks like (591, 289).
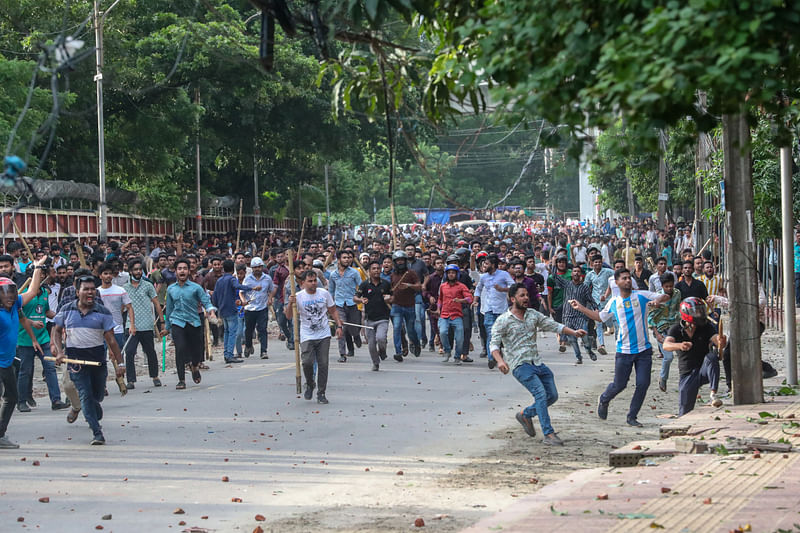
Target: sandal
(180, 386)
(196, 377)
(72, 416)
(203, 366)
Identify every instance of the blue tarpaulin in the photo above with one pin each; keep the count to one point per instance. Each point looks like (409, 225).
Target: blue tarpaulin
(438, 216)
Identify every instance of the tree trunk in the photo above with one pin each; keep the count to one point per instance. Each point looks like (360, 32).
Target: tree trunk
(741, 264)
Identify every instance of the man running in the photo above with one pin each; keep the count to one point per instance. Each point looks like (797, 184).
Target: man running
(597, 278)
(405, 285)
(493, 290)
(313, 307)
(342, 285)
(375, 294)
(224, 298)
(633, 346)
(11, 305)
(661, 319)
(88, 326)
(515, 330)
(183, 321)
(694, 339)
(576, 290)
(257, 307)
(452, 296)
(143, 323)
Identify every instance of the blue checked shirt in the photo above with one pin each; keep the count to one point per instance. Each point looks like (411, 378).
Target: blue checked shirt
(343, 286)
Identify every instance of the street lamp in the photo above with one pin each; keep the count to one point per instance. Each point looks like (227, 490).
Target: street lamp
(99, 18)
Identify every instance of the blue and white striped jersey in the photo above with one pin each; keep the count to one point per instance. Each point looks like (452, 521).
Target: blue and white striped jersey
(630, 315)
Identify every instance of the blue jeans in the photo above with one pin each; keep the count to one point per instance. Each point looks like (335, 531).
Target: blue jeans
(444, 328)
(400, 315)
(239, 334)
(541, 384)
(284, 323)
(488, 322)
(419, 317)
(91, 384)
(231, 333)
(690, 384)
(623, 365)
(26, 357)
(666, 362)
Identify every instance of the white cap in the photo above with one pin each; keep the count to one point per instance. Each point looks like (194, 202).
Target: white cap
(256, 262)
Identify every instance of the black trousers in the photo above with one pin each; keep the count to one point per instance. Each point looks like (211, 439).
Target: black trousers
(147, 340)
(9, 380)
(189, 346)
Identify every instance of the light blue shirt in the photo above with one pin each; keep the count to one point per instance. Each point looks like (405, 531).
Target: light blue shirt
(343, 286)
(182, 303)
(598, 282)
(492, 300)
(257, 300)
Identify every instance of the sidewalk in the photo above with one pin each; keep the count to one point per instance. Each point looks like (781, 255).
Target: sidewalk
(683, 492)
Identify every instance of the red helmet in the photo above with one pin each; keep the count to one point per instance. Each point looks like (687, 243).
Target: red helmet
(693, 310)
(481, 255)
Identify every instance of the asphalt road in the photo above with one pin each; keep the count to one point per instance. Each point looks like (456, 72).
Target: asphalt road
(282, 455)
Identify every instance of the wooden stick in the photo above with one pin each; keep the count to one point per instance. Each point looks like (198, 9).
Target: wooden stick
(239, 229)
(302, 232)
(74, 361)
(25, 285)
(209, 357)
(24, 242)
(354, 325)
(295, 323)
(704, 246)
(81, 256)
(264, 248)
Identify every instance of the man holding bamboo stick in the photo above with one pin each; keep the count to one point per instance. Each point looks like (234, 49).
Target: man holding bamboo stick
(88, 326)
(313, 307)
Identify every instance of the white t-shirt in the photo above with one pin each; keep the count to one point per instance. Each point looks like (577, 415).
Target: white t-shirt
(114, 299)
(615, 289)
(313, 311)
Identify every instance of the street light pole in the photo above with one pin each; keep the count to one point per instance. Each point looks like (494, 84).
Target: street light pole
(99, 17)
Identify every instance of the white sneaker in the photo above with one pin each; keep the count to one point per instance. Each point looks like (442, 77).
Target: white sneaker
(7, 444)
(715, 401)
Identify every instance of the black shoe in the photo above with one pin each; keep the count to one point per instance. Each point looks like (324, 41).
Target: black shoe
(181, 385)
(466, 359)
(382, 356)
(635, 423)
(592, 356)
(234, 360)
(32, 402)
(602, 409)
(357, 341)
(398, 358)
(248, 351)
(58, 405)
(22, 407)
(264, 355)
(527, 424)
(351, 354)
(342, 359)
(321, 398)
(492, 364)
(416, 350)
(375, 368)
(309, 392)
(290, 346)
(579, 361)
(156, 382)
(130, 385)
(98, 440)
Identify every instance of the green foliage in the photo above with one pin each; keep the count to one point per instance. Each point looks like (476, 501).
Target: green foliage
(403, 215)
(353, 216)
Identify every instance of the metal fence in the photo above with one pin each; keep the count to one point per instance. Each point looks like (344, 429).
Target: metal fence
(770, 275)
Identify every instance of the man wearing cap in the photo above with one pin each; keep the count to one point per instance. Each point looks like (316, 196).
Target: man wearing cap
(11, 305)
(258, 299)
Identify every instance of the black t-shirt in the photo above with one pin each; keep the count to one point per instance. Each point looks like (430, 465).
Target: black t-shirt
(642, 281)
(701, 340)
(376, 308)
(697, 289)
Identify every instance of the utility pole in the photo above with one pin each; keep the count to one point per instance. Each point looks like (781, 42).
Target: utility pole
(741, 266)
(663, 196)
(702, 166)
(631, 204)
(197, 169)
(99, 18)
(327, 200)
(256, 203)
(787, 217)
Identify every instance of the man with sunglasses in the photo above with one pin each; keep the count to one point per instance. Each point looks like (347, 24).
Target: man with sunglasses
(88, 326)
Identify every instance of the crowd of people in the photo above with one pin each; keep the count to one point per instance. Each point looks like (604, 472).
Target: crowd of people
(464, 294)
